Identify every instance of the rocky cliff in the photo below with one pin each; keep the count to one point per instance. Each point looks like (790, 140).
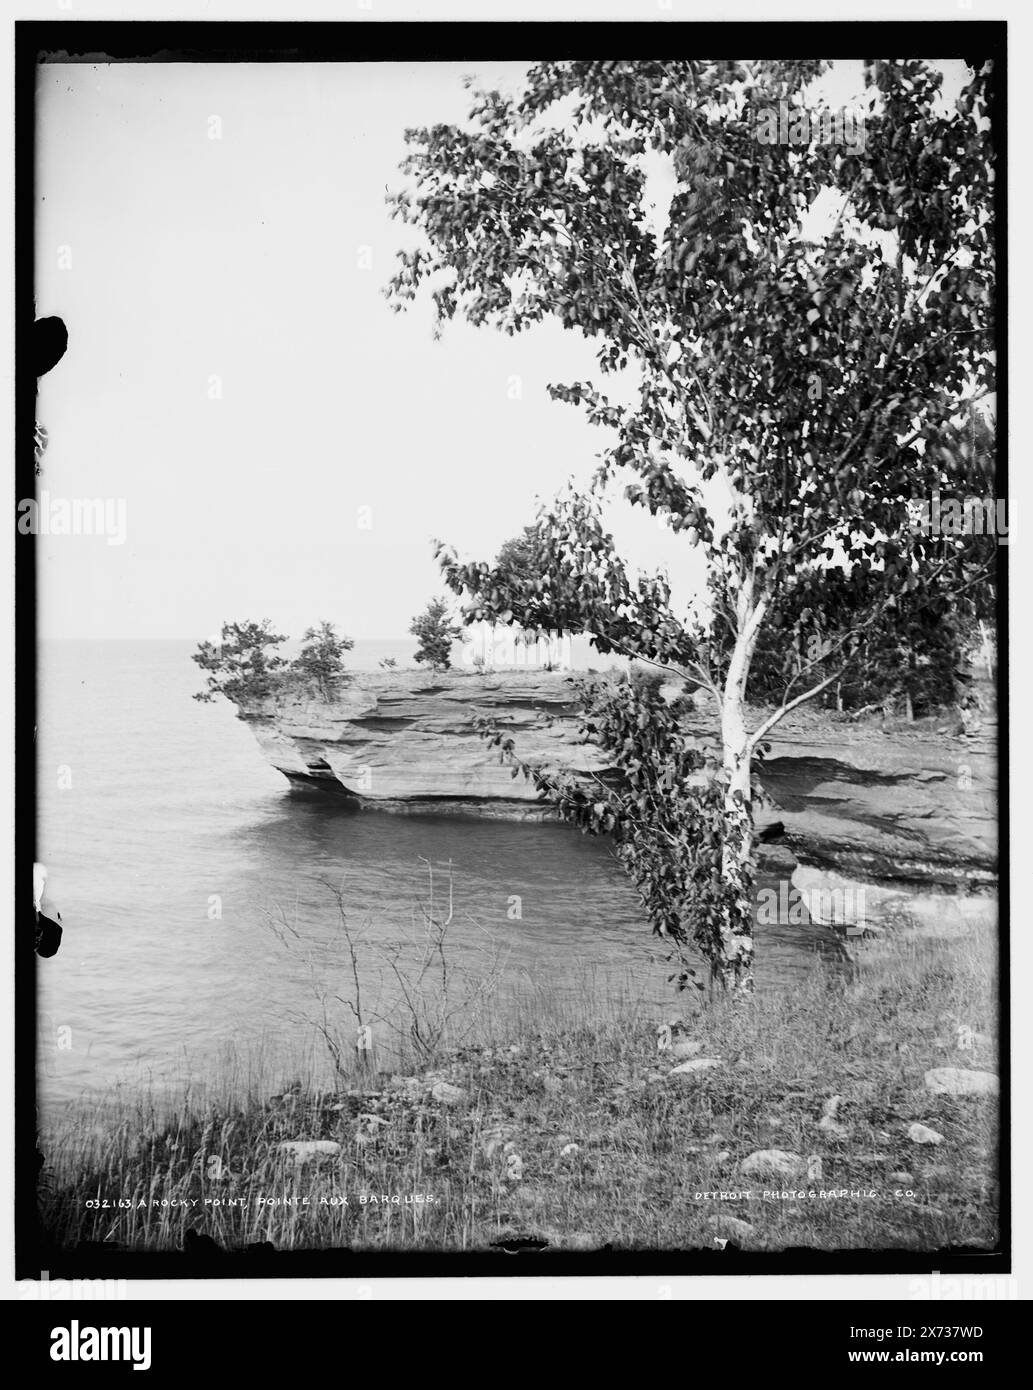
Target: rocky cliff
(406, 740)
(912, 809)
(907, 815)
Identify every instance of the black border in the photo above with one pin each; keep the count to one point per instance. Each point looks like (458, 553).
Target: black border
(416, 41)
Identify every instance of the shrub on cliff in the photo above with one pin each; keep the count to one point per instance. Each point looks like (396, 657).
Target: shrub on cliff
(436, 633)
(320, 659)
(243, 665)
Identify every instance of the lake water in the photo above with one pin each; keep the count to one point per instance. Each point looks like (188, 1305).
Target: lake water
(171, 846)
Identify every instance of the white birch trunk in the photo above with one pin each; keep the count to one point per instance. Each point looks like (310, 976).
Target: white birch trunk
(737, 929)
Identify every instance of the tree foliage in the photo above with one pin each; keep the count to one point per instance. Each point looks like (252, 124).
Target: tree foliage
(321, 659)
(244, 665)
(521, 554)
(663, 804)
(791, 396)
(436, 633)
(908, 652)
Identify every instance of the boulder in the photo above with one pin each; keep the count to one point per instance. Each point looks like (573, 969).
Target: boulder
(859, 908)
(834, 900)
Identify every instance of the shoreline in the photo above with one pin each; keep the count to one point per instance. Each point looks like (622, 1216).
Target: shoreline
(581, 1134)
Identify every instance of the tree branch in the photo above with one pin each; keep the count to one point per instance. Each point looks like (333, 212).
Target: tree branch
(783, 710)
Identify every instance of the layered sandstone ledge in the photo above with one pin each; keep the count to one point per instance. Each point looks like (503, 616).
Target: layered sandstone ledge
(914, 809)
(406, 740)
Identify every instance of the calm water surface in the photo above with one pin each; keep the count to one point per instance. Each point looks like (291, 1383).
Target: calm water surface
(158, 814)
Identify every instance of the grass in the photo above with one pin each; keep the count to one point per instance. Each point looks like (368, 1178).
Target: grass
(569, 1128)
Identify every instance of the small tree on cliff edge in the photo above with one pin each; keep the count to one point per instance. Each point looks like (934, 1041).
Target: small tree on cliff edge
(808, 386)
(243, 665)
(436, 633)
(321, 657)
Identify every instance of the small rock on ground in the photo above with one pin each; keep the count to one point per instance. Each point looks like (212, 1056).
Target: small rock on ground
(774, 1163)
(303, 1150)
(828, 1121)
(446, 1094)
(958, 1081)
(922, 1134)
(730, 1227)
(693, 1068)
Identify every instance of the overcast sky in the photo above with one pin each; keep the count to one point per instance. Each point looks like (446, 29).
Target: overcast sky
(252, 265)
(243, 258)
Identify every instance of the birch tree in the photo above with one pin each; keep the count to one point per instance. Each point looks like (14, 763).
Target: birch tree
(798, 379)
